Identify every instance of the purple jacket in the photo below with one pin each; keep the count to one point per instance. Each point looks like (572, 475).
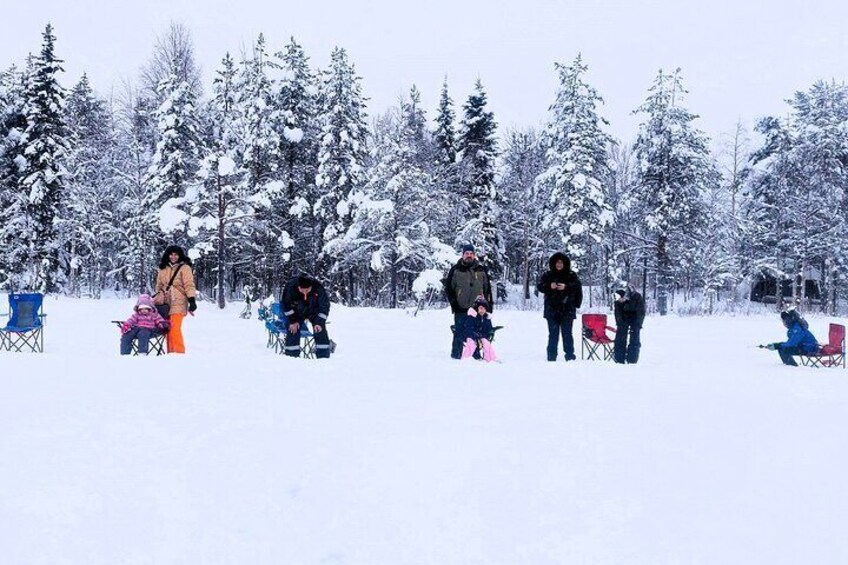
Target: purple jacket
(150, 319)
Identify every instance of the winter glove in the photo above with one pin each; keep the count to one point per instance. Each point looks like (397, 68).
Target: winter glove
(164, 326)
(125, 327)
(771, 346)
(192, 304)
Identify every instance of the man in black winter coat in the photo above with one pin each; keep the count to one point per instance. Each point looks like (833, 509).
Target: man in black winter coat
(304, 298)
(563, 296)
(466, 280)
(629, 316)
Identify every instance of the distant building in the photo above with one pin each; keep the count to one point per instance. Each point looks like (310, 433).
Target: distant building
(764, 287)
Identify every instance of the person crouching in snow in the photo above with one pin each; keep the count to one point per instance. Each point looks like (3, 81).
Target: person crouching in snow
(800, 341)
(476, 330)
(145, 323)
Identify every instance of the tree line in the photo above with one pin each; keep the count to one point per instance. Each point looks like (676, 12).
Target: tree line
(279, 169)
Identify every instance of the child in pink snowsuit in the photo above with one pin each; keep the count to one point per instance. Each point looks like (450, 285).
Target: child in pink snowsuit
(142, 325)
(477, 329)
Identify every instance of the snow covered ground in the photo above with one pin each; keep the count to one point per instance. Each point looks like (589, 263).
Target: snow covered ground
(709, 451)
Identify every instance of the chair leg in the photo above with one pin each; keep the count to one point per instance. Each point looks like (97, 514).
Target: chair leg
(307, 350)
(593, 351)
(26, 340)
(157, 344)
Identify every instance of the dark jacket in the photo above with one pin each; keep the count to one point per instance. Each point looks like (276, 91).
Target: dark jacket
(631, 310)
(476, 327)
(800, 337)
(561, 304)
(315, 307)
(465, 283)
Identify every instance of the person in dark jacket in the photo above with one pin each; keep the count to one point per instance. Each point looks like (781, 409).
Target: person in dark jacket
(799, 339)
(304, 299)
(629, 316)
(563, 296)
(466, 280)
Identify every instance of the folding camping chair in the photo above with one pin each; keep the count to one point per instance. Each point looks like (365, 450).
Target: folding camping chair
(830, 355)
(25, 328)
(596, 344)
(278, 325)
(157, 341)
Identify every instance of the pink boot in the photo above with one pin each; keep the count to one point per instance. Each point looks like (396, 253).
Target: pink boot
(469, 348)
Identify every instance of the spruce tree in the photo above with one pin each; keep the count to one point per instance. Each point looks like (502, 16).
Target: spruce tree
(43, 179)
(444, 212)
(90, 223)
(575, 181)
(523, 206)
(341, 156)
(259, 156)
(298, 108)
(175, 163)
(217, 214)
(674, 172)
(477, 146)
(445, 133)
(12, 205)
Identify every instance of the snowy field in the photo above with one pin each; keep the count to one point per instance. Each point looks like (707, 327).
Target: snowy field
(391, 453)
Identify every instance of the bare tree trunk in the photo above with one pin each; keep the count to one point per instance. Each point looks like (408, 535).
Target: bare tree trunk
(222, 209)
(141, 276)
(394, 281)
(663, 266)
(526, 269)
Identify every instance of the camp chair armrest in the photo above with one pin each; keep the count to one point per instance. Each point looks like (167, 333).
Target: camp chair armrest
(612, 329)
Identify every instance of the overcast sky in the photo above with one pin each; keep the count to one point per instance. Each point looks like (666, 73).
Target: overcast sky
(740, 59)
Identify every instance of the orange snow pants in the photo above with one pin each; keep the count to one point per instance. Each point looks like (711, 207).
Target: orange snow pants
(175, 334)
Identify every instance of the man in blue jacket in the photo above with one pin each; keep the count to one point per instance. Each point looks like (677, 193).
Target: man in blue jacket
(800, 341)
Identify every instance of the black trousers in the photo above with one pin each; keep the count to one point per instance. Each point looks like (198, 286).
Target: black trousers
(456, 345)
(786, 355)
(564, 326)
(322, 343)
(627, 342)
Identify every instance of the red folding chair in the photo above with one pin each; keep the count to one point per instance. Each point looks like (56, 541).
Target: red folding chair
(830, 355)
(596, 345)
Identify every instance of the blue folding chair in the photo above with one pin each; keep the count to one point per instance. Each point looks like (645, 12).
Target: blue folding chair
(25, 328)
(276, 332)
(278, 325)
